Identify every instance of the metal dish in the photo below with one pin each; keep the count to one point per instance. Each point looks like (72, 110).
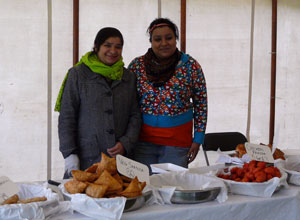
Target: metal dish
(131, 203)
(195, 196)
(137, 202)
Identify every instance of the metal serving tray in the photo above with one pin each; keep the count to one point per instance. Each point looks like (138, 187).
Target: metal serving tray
(137, 202)
(131, 203)
(195, 196)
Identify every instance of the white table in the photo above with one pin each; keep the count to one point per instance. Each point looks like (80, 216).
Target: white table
(284, 204)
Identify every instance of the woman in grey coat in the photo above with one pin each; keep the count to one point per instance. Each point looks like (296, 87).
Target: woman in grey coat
(98, 105)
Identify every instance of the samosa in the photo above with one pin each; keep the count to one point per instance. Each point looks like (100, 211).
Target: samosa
(133, 189)
(75, 186)
(108, 164)
(84, 176)
(106, 179)
(95, 190)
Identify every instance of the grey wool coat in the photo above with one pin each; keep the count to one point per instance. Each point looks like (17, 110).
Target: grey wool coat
(95, 115)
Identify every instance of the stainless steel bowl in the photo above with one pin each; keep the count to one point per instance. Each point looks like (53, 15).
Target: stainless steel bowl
(137, 202)
(195, 196)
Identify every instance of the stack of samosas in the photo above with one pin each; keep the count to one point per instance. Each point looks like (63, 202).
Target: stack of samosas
(15, 199)
(102, 180)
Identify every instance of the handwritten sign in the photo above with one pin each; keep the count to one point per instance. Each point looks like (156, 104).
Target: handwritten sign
(131, 168)
(7, 188)
(259, 152)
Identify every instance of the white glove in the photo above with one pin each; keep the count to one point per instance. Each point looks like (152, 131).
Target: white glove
(72, 163)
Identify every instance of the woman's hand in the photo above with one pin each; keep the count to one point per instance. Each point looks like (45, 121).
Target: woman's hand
(193, 152)
(117, 149)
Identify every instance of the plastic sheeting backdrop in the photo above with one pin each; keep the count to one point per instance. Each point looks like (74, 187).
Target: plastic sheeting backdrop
(218, 36)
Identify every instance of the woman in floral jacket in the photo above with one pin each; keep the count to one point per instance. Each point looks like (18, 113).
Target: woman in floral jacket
(172, 98)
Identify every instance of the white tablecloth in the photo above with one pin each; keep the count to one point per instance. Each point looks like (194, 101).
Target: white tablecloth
(284, 204)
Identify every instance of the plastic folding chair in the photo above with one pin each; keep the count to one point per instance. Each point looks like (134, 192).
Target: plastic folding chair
(225, 141)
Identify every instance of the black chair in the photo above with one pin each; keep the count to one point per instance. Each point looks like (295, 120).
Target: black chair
(225, 141)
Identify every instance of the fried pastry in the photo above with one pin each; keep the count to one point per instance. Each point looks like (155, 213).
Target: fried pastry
(132, 190)
(106, 179)
(108, 164)
(126, 179)
(84, 176)
(11, 200)
(34, 199)
(118, 178)
(75, 186)
(278, 154)
(240, 150)
(142, 185)
(95, 190)
(113, 195)
(92, 169)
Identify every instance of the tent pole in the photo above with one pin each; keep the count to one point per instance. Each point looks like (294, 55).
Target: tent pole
(159, 8)
(250, 71)
(49, 92)
(183, 26)
(273, 71)
(75, 30)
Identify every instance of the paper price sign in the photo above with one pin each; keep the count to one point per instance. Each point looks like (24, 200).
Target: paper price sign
(131, 168)
(259, 152)
(7, 188)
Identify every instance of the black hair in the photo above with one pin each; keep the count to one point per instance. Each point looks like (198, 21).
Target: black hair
(105, 33)
(167, 21)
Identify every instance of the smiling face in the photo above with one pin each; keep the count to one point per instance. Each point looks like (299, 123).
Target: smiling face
(163, 42)
(110, 51)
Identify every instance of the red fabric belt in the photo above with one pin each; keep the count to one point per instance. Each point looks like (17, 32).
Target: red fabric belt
(180, 136)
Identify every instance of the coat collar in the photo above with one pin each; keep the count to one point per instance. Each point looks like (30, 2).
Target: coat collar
(89, 74)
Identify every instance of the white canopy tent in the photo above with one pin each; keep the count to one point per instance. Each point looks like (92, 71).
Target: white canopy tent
(218, 35)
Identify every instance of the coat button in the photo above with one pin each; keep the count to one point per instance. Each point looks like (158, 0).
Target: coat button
(109, 111)
(108, 93)
(110, 131)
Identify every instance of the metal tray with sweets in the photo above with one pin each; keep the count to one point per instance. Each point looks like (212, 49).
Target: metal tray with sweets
(137, 202)
(195, 196)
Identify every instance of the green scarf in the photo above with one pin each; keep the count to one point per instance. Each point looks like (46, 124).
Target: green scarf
(90, 59)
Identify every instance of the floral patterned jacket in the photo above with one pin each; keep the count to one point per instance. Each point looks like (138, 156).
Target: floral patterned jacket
(182, 99)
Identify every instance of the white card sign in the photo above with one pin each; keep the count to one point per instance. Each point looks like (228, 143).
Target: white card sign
(131, 168)
(259, 152)
(7, 188)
